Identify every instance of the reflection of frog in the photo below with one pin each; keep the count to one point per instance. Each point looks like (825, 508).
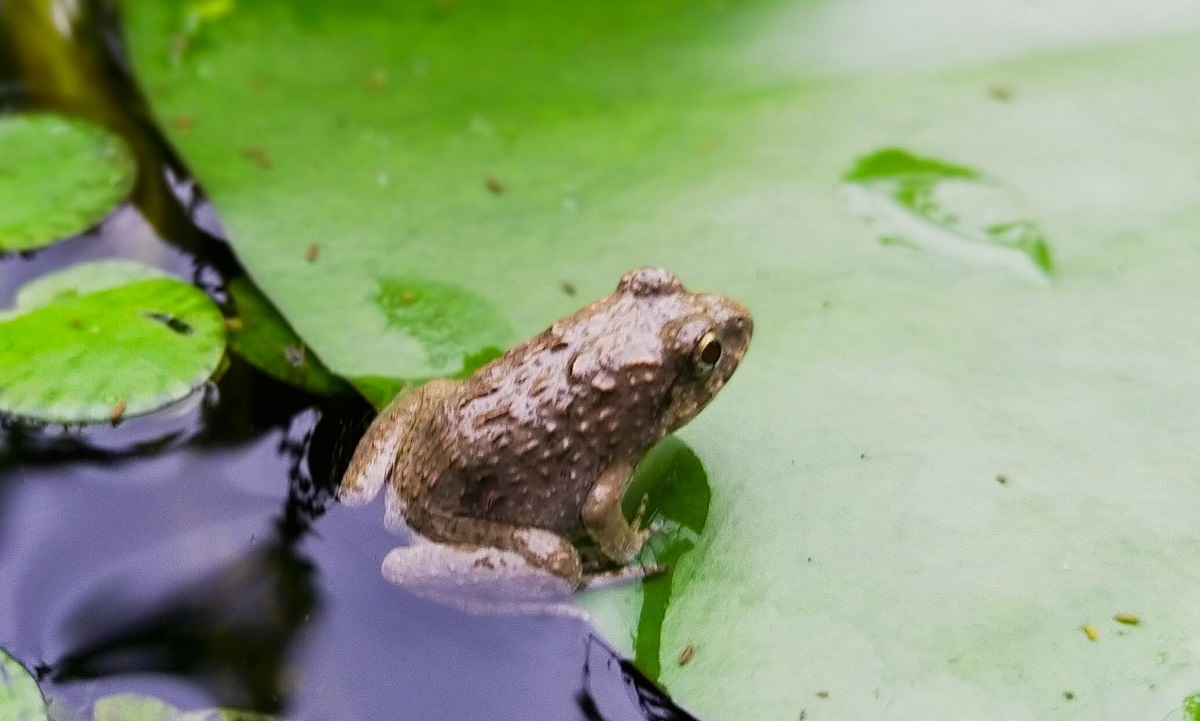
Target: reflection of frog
(506, 471)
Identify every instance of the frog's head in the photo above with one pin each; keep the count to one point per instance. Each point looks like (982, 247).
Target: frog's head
(703, 338)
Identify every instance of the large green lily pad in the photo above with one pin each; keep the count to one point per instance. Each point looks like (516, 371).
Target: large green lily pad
(20, 697)
(58, 176)
(101, 341)
(861, 558)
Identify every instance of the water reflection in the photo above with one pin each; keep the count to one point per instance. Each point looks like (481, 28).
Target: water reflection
(184, 564)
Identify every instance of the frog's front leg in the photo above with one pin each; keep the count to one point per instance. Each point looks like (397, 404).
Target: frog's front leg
(605, 520)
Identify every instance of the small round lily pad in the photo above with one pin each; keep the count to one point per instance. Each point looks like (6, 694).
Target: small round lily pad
(58, 177)
(100, 341)
(20, 697)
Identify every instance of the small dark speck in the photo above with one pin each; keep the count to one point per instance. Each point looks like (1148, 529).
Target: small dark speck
(311, 252)
(1001, 479)
(862, 456)
(822, 694)
(294, 354)
(376, 79)
(567, 287)
(1000, 92)
(810, 559)
(171, 322)
(803, 715)
(494, 185)
(255, 154)
(1069, 695)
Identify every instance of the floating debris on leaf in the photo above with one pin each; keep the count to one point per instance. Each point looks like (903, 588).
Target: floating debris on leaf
(255, 154)
(686, 654)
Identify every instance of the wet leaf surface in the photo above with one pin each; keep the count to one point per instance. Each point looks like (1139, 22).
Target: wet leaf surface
(446, 322)
(945, 209)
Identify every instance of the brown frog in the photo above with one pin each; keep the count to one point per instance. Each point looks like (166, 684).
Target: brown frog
(504, 476)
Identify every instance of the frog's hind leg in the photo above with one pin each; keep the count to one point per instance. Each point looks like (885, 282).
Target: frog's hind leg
(467, 561)
(393, 431)
(477, 579)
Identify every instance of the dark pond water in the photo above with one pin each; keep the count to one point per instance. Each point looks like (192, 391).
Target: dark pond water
(197, 555)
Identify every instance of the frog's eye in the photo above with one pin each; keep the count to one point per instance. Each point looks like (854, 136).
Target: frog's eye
(708, 351)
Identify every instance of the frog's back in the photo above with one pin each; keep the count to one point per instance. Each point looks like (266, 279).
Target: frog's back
(537, 427)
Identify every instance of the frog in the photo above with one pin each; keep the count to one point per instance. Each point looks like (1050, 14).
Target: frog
(512, 481)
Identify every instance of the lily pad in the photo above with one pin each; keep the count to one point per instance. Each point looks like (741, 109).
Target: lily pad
(58, 176)
(860, 560)
(20, 697)
(100, 341)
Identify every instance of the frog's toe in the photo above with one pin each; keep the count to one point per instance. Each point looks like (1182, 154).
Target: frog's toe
(633, 546)
(627, 574)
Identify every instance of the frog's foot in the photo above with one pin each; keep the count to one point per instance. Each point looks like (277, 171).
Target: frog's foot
(479, 580)
(604, 519)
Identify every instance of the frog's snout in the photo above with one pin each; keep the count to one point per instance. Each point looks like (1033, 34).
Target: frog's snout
(743, 322)
(737, 321)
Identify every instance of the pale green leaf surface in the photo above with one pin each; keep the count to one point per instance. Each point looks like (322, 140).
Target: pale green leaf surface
(58, 176)
(102, 339)
(136, 707)
(857, 543)
(20, 697)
